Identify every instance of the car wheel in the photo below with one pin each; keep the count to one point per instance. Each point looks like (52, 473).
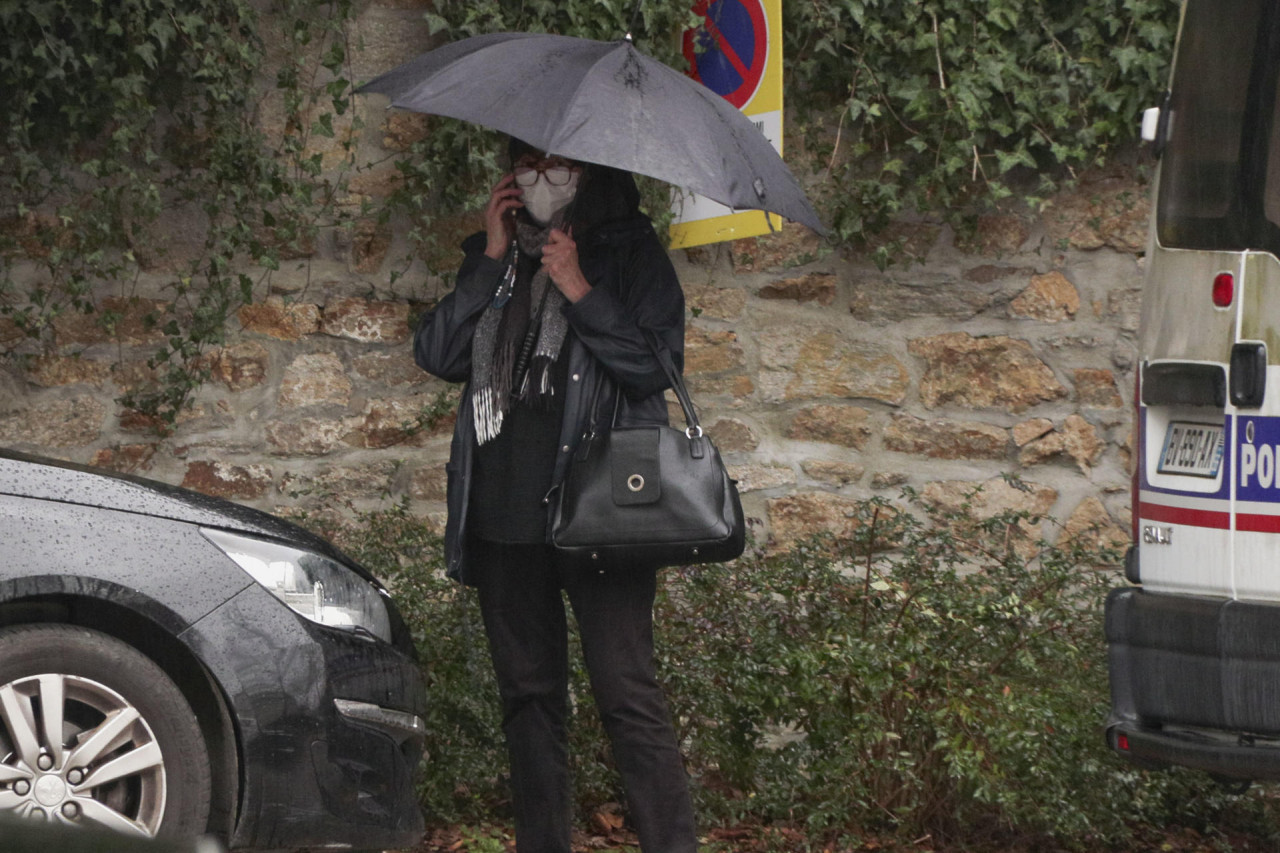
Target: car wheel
(93, 732)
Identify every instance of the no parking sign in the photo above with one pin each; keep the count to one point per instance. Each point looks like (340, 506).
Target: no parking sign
(736, 52)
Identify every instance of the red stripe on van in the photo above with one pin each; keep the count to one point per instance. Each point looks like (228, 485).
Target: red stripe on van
(1258, 523)
(1191, 517)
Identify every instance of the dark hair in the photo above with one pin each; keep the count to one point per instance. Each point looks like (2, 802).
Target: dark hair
(605, 194)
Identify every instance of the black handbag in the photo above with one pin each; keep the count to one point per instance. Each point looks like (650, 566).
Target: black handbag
(647, 496)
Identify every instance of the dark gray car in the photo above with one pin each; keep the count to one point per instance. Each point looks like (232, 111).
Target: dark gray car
(175, 665)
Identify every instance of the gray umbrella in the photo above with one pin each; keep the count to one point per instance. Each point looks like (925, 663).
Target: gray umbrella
(606, 103)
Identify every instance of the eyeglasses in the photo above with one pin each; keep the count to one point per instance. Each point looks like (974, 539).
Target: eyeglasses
(556, 171)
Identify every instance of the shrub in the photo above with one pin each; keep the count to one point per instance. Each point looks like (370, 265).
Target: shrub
(938, 674)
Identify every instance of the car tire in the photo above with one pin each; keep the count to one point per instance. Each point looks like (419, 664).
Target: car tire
(130, 755)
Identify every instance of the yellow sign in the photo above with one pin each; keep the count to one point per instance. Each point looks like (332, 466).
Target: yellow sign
(737, 52)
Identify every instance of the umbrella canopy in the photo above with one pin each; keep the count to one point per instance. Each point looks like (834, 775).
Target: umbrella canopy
(606, 103)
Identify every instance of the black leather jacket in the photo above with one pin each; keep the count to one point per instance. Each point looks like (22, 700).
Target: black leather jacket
(634, 287)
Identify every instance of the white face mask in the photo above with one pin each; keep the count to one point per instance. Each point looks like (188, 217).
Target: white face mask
(544, 201)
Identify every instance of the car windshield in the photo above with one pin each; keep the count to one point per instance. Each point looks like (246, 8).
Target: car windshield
(1220, 174)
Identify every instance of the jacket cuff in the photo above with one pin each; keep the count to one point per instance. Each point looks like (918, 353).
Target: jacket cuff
(597, 310)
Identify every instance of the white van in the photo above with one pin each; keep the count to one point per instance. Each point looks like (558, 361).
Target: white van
(1194, 645)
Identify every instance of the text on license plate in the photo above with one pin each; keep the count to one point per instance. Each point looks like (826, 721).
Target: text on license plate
(1194, 449)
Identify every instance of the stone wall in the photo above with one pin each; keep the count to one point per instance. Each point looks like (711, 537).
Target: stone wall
(823, 379)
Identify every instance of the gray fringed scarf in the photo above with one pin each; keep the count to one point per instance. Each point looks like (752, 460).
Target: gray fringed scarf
(495, 348)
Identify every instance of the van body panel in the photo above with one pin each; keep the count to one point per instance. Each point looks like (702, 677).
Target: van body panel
(1260, 303)
(1178, 289)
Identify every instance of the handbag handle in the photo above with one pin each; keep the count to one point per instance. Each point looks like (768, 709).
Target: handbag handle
(693, 429)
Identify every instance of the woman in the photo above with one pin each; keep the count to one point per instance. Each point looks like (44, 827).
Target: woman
(554, 299)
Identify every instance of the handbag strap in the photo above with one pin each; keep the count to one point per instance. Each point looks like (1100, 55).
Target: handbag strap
(692, 428)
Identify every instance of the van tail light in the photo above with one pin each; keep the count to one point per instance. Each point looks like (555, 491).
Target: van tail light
(1224, 289)
(1122, 742)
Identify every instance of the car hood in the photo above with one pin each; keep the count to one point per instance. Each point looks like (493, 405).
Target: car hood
(52, 480)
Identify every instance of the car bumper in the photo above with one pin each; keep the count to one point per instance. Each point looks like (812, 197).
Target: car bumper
(329, 727)
(1195, 682)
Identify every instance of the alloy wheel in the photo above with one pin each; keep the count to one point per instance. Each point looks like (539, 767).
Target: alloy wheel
(72, 750)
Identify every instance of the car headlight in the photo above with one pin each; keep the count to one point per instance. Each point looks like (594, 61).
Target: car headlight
(313, 585)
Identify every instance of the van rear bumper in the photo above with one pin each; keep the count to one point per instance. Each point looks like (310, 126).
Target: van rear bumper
(1195, 681)
(1217, 753)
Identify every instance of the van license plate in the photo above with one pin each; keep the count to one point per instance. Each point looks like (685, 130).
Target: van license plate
(1192, 449)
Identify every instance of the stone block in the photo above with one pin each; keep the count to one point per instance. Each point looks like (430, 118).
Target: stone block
(946, 439)
(1097, 388)
(1029, 431)
(391, 34)
(847, 426)
(314, 379)
(11, 335)
(347, 482)
(395, 421)
(889, 479)
(754, 478)
(402, 130)
(882, 301)
(396, 368)
(711, 351)
(800, 364)
(716, 303)
(50, 371)
(377, 182)
(429, 483)
(278, 319)
(370, 243)
(223, 480)
(739, 387)
(1091, 526)
(1050, 298)
(791, 246)
(996, 235)
(833, 472)
(129, 321)
(240, 366)
(124, 458)
(1077, 440)
(72, 422)
(987, 499)
(367, 321)
(987, 372)
(798, 516)
(819, 287)
(304, 437)
(730, 435)
(1110, 212)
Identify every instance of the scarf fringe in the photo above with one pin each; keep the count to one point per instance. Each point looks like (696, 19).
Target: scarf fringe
(489, 414)
(537, 390)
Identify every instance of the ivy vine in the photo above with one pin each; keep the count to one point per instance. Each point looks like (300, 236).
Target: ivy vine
(116, 113)
(949, 105)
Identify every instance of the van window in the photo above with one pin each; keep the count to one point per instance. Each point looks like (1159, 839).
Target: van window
(1218, 187)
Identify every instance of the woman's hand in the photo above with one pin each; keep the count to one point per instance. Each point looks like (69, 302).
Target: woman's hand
(560, 258)
(499, 216)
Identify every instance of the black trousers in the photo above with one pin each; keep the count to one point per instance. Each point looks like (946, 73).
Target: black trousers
(524, 616)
